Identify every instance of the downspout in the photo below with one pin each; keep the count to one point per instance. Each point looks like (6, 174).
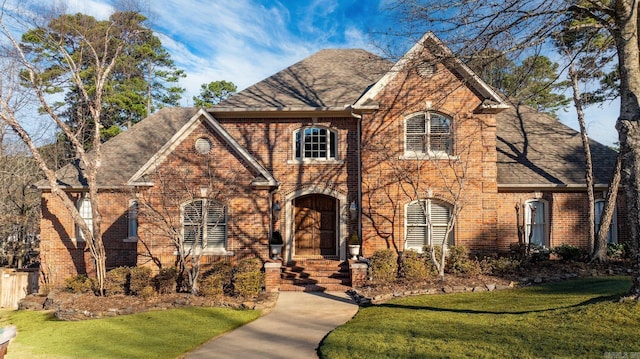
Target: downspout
(359, 177)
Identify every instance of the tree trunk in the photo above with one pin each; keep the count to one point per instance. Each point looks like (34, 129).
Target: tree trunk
(607, 214)
(588, 164)
(626, 38)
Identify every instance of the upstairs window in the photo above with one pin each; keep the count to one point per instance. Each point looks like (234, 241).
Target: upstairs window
(204, 224)
(426, 224)
(428, 133)
(316, 143)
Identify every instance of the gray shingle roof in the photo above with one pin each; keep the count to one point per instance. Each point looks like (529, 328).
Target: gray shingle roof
(328, 78)
(536, 149)
(126, 153)
(533, 149)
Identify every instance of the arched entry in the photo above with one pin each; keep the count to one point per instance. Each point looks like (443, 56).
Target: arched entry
(314, 226)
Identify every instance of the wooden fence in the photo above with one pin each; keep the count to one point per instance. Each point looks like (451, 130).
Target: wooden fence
(15, 284)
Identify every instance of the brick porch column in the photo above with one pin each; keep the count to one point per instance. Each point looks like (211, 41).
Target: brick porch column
(358, 271)
(272, 272)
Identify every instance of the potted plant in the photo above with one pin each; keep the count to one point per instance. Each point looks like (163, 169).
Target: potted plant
(276, 244)
(354, 245)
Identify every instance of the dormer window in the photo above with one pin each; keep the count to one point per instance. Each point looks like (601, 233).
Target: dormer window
(315, 143)
(428, 133)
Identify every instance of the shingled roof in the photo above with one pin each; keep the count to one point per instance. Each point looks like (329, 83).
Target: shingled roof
(126, 153)
(327, 79)
(535, 149)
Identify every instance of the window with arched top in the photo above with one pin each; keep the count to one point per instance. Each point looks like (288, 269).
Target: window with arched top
(315, 143)
(204, 224)
(426, 223)
(428, 133)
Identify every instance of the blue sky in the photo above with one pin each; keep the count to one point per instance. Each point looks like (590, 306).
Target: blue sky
(245, 41)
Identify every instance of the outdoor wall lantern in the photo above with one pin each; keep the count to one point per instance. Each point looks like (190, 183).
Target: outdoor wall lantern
(353, 210)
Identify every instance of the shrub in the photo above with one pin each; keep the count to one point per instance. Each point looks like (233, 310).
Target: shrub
(383, 265)
(567, 252)
(165, 280)
(458, 262)
(248, 278)
(504, 265)
(217, 280)
(413, 266)
(249, 265)
(117, 281)
(80, 284)
(248, 284)
(428, 262)
(140, 279)
(147, 292)
(616, 250)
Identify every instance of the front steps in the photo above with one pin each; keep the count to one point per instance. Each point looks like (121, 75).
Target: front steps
(315, 275)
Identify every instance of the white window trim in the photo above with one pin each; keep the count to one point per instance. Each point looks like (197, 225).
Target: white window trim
(428, 203)
(547, 226)
(415, 155)
(206, 250)
(132, 215)
(315, 160)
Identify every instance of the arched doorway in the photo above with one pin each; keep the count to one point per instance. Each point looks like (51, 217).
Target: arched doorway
(315, 222)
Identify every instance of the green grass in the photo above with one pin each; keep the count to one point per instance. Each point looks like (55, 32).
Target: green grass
(156, 334)
(577, 318)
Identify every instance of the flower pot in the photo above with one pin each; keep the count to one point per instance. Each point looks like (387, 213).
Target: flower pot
(276, 250)
(354, 250)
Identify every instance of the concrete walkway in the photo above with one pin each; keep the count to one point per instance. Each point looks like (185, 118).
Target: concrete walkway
(293, 329)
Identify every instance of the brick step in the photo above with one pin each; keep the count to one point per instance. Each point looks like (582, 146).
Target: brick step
(317, 267)
(316, 280)
(285, 287)
(306, 274)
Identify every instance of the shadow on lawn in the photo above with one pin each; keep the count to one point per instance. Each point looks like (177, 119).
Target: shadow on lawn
(595, 300)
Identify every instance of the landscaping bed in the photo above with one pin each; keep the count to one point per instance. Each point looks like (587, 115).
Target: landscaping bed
(80, 306)
(533, 273)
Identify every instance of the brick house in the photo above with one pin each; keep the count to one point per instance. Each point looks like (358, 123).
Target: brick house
(341, 142)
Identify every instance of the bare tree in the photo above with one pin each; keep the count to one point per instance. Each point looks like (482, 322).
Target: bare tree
(186, 208)
(102, 50)
(517, 26)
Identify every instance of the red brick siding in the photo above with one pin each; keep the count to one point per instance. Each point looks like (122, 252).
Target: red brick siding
(385, 197)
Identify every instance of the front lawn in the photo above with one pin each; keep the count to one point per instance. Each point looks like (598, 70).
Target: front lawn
(155, 334)
(576, 318)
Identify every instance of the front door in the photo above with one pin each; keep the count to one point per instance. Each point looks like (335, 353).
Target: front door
(315, 225)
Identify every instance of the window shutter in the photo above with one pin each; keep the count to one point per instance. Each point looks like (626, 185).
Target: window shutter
(415, 134)
(439, 222)
(440, 134)
(216, 225)
(416, 226)
(192, 221)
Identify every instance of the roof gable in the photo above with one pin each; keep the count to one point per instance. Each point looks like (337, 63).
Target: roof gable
(491, 101)
(263, 179)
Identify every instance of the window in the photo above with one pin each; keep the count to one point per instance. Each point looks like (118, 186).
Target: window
(613, 229)
(426, 224)
(133, 219)
(537, 228)
(428, 133)
(204, 224)
(84, 207)
(315, 143)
